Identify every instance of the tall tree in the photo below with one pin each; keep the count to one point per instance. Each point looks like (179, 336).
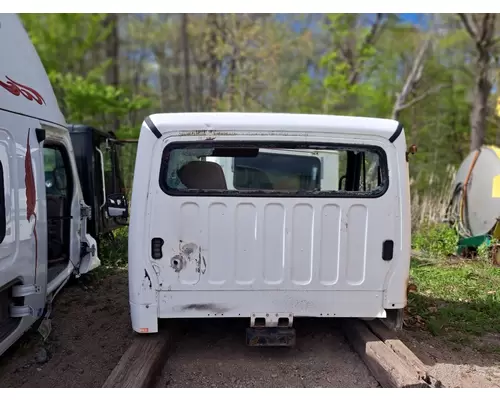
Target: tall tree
(187, 66)
(113, 55)
(481, 28)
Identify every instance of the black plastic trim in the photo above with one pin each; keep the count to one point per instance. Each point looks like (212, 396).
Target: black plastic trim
(152, 127)
(40, 134)
(396, 133)
(33, 117)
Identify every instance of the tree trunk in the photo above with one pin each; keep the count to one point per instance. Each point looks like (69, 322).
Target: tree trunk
(482, 88)
(113, 54)
(161, 59)
(481, 29)
(185, 52)
(212, 57)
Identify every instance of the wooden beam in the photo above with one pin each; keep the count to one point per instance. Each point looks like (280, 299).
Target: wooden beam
(141, 363)
(391, 340)
(385, 365)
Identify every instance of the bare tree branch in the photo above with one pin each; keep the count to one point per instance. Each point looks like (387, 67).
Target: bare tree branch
(485, 25)
(411, 79)
(491, 28)
(419, 98)
(471, 30)
(375, 31)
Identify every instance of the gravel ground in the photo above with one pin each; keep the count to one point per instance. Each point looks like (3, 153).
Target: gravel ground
(460, 367)
(91, 330)
(215, 355)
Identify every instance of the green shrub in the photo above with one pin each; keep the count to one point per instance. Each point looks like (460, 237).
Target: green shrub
(437, 240)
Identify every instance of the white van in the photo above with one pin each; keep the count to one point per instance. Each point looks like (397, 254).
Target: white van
(230, 218)
(43, 239)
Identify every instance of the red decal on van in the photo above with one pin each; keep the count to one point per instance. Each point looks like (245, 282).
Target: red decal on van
(29, 182)
(17, 89)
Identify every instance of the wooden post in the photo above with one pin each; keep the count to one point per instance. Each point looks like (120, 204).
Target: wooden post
(141, 363)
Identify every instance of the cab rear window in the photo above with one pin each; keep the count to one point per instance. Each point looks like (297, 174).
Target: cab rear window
(267, 169)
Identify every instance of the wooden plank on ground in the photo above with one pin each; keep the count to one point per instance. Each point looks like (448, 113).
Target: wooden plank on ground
(385, 365)
(391, 339)
(141, 363)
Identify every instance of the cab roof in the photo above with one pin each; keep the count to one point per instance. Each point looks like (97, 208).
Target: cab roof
(24, 85)
(272, 123)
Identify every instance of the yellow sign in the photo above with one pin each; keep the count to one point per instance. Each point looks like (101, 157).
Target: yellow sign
(495, 149)
(495, 190)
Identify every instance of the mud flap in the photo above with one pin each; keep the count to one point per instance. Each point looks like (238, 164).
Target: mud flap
(270, 337)
(394, 319)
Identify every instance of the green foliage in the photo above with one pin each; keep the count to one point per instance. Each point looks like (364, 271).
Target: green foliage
(348, 67)
(113, 254)
(437, 241)
(70, 47)
(83, 99)
(66, 42)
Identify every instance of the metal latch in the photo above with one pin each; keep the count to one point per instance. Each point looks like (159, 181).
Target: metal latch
(86, 249)
(85, 211)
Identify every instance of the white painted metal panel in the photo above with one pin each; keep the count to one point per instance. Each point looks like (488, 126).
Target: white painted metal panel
(260, 244)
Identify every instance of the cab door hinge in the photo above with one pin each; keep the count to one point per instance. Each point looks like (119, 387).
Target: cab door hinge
(25, 290)
(24, 311)
(85, 211)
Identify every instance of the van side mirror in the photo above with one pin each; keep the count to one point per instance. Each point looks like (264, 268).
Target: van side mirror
(117, 205)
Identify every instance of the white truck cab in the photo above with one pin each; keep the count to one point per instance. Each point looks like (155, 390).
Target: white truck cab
(268, 217)
(43, 238)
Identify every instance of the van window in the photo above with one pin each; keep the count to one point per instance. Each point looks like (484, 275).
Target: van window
(56, 180)
(59, 193)
(265, 169)
(112, 176)
(274, 170)
(3, 222)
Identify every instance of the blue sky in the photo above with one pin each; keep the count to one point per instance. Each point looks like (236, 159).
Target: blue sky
(414, 18)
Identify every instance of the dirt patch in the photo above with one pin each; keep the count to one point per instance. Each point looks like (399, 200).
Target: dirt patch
(215, 355)
(90, 332)
(460, 366)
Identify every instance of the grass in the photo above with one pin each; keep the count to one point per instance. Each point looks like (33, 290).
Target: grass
(113, 254)
(456, 299)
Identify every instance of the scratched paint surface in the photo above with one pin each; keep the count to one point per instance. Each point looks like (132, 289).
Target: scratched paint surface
(241, 244)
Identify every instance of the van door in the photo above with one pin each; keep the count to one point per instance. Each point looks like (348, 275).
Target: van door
(110, 177)
(70, 247)
(23, 266)
(286, 234)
